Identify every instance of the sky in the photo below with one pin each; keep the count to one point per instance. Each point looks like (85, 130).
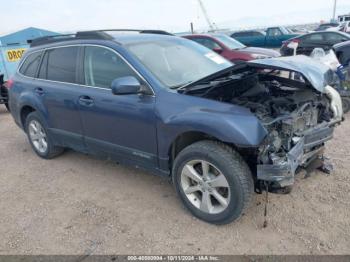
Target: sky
(170, 15)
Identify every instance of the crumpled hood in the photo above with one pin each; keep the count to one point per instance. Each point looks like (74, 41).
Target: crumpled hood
(316, 73)
(261, 51)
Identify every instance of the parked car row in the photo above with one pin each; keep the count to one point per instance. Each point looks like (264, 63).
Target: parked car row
(308, 42)
(272, 37)
(342, 27)
(230, 48)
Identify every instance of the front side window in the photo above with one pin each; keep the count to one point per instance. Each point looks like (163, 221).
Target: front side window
(60, 64)
(30, 65)
(334, 37)
(102, 66)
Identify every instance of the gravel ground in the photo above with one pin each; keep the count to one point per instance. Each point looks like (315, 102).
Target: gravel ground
(76, 204)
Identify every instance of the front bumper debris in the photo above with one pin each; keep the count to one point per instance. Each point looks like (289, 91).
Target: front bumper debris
(306, 150)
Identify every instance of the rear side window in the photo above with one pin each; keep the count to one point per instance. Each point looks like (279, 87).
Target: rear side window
(30, 64)
(313, 38)
(102, 66)
(60, 64)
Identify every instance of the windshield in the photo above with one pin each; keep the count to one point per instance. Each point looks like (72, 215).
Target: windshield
(229, 42)
(176, 61)
(284, 30)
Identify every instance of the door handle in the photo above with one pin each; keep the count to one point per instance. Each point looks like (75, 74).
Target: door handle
(39, 91)
(86, 101)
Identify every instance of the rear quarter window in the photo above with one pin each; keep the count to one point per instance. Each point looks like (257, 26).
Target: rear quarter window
(60, 64)
(30, 65)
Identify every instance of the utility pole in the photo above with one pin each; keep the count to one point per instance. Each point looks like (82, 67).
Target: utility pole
(211, 25)
(334, 9)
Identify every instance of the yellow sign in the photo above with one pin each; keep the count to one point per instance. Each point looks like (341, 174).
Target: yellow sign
(15, 54)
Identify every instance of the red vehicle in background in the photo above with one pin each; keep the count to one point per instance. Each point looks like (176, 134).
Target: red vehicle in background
(230, 48)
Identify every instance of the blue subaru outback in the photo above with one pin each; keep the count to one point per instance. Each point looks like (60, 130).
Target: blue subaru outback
(169, 105)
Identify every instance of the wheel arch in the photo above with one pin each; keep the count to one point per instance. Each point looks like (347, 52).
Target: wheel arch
(187, 138)
(24, 112)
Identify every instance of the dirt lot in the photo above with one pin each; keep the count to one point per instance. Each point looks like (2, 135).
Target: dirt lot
(76, 204)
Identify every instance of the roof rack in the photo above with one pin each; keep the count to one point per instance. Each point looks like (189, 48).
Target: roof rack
(49, 39)
(94, 34)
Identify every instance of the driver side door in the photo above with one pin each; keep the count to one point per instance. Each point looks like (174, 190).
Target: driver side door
(120, 127)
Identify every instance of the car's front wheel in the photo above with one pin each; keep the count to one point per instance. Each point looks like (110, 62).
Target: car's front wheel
(39, 137)
(213, 181)
(346, 104)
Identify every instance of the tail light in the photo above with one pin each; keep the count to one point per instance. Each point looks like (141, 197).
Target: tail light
(9, 83)
(296, 40)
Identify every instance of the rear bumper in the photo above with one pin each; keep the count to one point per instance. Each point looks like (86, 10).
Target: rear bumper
(307, 149)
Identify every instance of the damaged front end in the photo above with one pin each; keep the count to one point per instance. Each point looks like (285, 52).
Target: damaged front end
(295, 141)
(293, 101)
(299, 123)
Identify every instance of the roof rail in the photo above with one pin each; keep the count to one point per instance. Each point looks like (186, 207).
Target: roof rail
(93, 34)
(141, 31)
(49, 39)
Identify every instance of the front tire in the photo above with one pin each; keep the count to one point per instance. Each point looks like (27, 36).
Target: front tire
(213, 181)
(346, 104)
(39, 138)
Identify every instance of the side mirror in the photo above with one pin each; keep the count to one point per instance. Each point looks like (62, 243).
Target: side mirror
(217, 50)
(127, 85)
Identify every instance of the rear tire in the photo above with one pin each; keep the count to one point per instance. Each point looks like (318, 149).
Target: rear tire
(7, 106)
(39, 137)
(227, 191)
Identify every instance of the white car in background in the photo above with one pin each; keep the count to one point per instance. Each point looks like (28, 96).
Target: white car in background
(346, 27)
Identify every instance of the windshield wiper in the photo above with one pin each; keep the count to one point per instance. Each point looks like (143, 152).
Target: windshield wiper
(181, 85)
(210, 85)
(207, 79)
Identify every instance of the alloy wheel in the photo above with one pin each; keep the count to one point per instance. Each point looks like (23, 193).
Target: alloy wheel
(205, 186)
(38, 136)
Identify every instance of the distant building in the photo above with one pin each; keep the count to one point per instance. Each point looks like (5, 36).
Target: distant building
(13, 45)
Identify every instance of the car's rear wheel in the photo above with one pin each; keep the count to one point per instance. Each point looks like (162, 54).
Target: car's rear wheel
(39, 138)
(213, 181)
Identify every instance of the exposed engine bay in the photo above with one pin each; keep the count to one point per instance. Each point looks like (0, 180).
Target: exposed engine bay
(299, 119)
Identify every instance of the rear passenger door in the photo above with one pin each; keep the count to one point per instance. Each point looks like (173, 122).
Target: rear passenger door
(120, 127)
(57, 87)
